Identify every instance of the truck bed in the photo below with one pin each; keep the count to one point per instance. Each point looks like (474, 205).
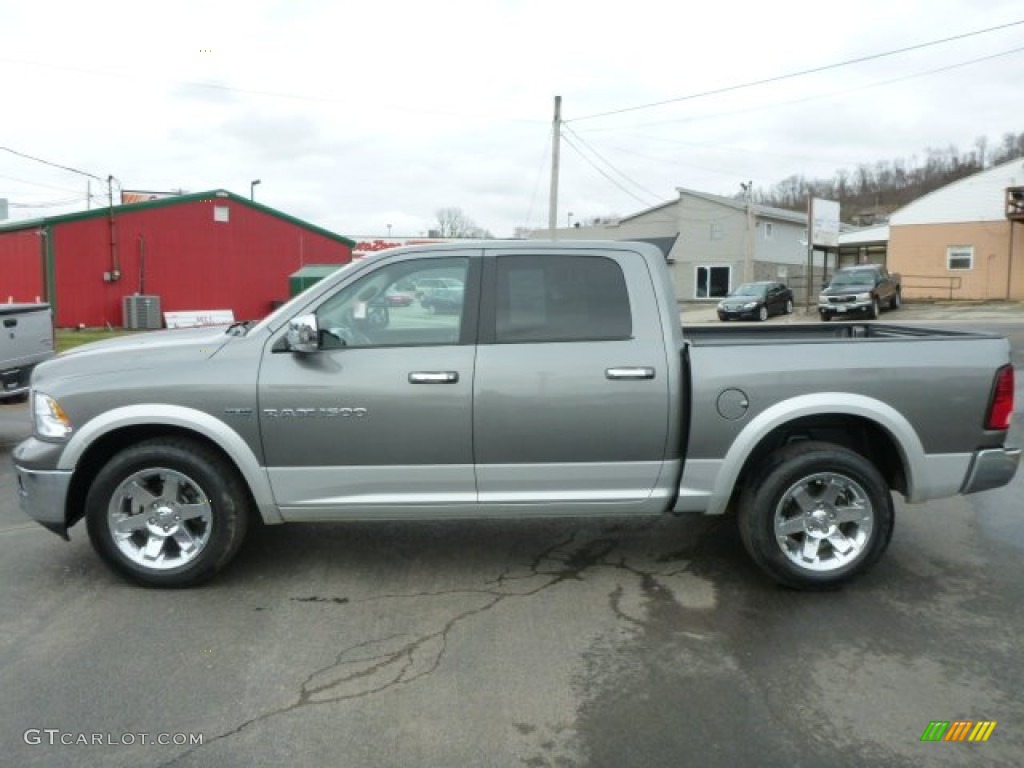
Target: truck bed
(807, 333)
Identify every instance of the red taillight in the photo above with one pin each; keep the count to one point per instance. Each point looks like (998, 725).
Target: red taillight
(1000, 408)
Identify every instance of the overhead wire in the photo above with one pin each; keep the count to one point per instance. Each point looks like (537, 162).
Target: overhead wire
(604, 160)
(536, 184)
(50, 163)
(601, 171)
(815, 97)
(801, 73)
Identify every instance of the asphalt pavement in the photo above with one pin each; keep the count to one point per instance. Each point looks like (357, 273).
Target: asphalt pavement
(536, 643)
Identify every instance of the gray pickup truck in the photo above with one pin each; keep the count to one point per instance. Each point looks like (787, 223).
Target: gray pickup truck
(564, 385)
(863, 289)
(26, 339)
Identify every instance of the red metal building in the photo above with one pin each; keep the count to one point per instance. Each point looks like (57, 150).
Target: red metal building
(206, 251)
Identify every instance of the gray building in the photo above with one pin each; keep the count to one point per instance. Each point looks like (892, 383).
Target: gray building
(713, 243)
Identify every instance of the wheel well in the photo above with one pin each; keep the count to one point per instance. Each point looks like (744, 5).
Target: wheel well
(856, 433)
(104, 448)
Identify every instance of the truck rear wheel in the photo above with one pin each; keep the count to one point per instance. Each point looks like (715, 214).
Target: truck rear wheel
(816, 515)
(896, 300)
(875, 310)
(168, 512)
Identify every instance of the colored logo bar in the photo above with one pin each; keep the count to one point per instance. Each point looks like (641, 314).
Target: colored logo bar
(958, 730)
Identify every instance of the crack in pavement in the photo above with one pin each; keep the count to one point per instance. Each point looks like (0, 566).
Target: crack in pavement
(375, 666)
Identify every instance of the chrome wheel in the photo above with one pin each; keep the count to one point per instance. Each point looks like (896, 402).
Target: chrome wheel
(823, 521)
(160, 518)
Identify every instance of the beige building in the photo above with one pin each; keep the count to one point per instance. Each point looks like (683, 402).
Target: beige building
(964, 241)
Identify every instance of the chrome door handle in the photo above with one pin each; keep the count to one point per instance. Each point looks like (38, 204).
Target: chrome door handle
(617, 374)
(433, 377)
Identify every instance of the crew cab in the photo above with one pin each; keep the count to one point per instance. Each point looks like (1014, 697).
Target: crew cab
(862, 289)
(562, 386)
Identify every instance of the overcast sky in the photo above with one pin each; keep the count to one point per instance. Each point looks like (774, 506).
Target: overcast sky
(357, 116)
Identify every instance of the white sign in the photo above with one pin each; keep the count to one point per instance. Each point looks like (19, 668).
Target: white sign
(825, 227)
(198, 317)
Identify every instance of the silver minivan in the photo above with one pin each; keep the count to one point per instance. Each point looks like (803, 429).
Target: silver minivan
(26, 339)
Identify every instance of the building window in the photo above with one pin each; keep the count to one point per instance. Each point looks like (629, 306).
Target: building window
(960, 258)
(716, 231)
(767, 230)
(221, 213)
(713, 282)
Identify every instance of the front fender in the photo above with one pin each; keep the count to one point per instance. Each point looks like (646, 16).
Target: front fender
(156, 414)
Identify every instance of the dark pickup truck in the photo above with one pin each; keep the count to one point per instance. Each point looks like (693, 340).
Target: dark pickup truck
(863, 289)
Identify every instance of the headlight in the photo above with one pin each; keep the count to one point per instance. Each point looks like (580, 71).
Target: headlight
(750, 305)
(49, 418)
(863, 297)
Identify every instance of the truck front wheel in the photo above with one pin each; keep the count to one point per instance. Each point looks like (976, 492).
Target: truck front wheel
(168, 512)
(816, 515)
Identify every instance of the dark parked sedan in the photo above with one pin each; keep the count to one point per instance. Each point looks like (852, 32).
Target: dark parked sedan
(756, 301)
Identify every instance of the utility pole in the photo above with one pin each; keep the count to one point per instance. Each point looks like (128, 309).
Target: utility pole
(810, 252)
(556, 143)
(748, 256)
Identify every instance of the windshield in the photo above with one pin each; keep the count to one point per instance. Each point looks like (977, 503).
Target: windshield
(854, 277)
(757, 290)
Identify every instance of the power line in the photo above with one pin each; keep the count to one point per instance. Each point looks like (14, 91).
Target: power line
(220, 88)
(604, 160)
(814, 97)
(536, 184)
(47, 162)
(38, 184)
(600, 170)
(50, 203)
(801, 73)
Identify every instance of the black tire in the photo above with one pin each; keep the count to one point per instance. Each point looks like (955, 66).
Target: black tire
(825, 317)
(896, 301)
(762, 313)
(875, 310)
(801, 545)
(210, 510)
(789, 306)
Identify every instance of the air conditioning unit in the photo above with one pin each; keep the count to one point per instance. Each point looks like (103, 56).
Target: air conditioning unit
(142, 313)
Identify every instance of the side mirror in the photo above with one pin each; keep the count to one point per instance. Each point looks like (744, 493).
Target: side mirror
(302, 334)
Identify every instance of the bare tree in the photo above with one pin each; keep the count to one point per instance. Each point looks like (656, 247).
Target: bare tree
(452, 222)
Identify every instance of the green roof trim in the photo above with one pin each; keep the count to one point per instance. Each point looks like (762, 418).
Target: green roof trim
(194, 197)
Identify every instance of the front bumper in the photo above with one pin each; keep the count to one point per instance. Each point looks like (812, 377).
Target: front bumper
(737, 314)
(844, 308)
(42, 495)
(991, 468)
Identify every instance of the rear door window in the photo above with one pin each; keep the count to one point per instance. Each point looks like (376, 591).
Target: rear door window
(560, 298)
